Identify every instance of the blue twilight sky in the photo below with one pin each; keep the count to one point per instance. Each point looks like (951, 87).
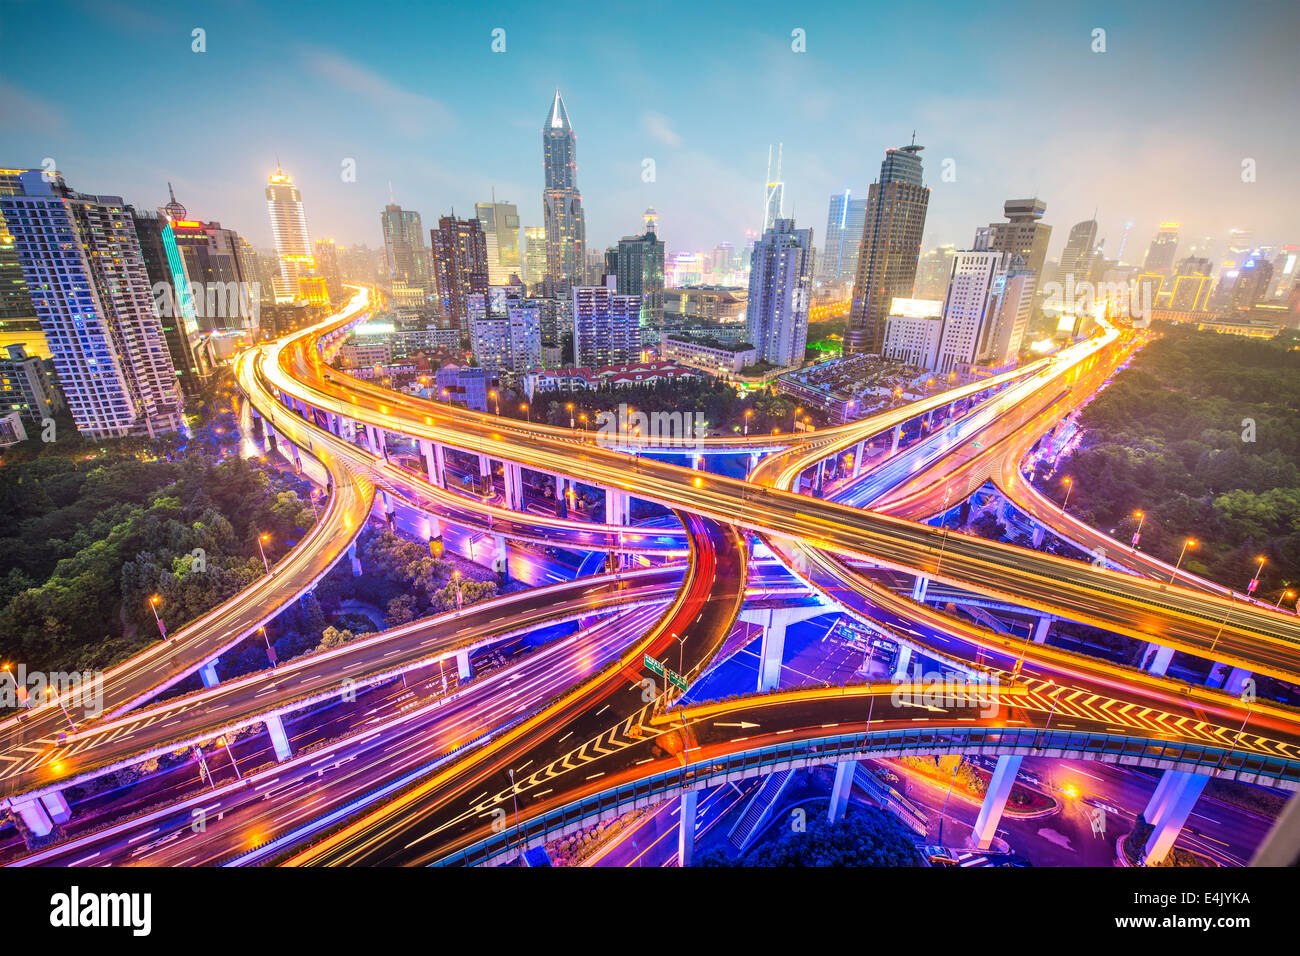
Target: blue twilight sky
(1155, 128)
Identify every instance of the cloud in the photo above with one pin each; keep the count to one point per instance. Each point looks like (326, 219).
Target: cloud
(411, 114)
(657, 125)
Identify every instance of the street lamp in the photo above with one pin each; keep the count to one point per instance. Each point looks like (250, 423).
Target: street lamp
(1189, 543)
(234, 763)
(496, 401)
(1069, 486)
(514, 794)
(1254, 582)
(749, 412)
(1137, 535)
(48, 692)
(1048, 726)
(1285, 594)
(153, 606)
(569, 406)
(261, 539)
(523, 407)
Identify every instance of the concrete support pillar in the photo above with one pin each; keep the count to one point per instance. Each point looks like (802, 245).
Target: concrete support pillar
(995, 799)
(1159, 661)
(929, 420)
(432, 455)
(381, 443)
(1180, 799)
(463, 667)
(616, 507)
(561, 496)
(356, 561)
(840, 789)
(1041, 627)
(34, 817)
(898, 435)
(919, 587)
(1236, 680)
(485, 474)
(371, 442)
(697, 462)
(279, 739)
(686, 829)
(57, 807)
(501, 557)
(514, 486)
(859, 451)
(209, 674)
(1039, 535)
(773, 649)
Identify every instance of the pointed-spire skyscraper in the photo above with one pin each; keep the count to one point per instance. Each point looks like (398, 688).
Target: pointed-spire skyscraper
(566, 228)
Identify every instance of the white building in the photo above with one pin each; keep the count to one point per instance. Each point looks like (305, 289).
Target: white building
(912, 331)
(506, 329)
(293, 245)
(88, 285)
(780, 277)
(606, 326)
(966, 309)
(717, 358)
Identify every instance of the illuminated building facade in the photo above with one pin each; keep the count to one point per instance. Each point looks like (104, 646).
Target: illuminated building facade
(566, 226)
(293, 246)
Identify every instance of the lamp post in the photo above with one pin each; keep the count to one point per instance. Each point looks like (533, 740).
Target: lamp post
(1069, 486)
(261, 539)
(49, 691)
(234, 763)
(749, 412)
(1189, 543)
(496, 401)
(1285, 594)
(1254, 582)
(153, 606)
(1137, 535)
(569, 406)
(528, 415)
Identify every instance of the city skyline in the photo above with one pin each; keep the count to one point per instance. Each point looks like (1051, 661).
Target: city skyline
(382, 110)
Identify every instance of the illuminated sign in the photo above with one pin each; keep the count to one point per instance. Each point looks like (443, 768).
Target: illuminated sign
(916, 308)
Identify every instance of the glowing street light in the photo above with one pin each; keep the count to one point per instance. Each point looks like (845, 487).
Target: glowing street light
(1189, 543)
(1069, 486)
(49, 692)
(1285, 594)
(749, 412)
(153, 606)
(523, 407)
(1137, 535)
(569, 406)
(1254, 582)
(262, 538)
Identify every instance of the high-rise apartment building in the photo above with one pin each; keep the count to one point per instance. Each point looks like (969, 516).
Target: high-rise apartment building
(404, 249)
(176, 301)
(773, 190)
(460, 265)
(25, 386)
(606, 327)
(838, 259)
(501, 230)
(1163, 248)
(534, 254)
(966, 309)
(891, 245)
(780, 280)
(506, 330)
(566, 227)
(639, 268)
(293, 246)
(86, 277)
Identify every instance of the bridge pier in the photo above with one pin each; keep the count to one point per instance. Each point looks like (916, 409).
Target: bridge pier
(919, 587)
(279, 739)
(209, 674)
(900, 665)
(463, 668)
(356, 561)
(32, 813)
(774, 622)
(841, 789)
(617, 507)
(514, 486)
(858, 451)
(686, 828)
(1235, 682)
(486, 485)
(1041, 627)
(501, 561)
(995, 799)
(1170, 805)
(1039, 535)
(433, 462)
(1157, 658)
(898, 435)
(57, 807)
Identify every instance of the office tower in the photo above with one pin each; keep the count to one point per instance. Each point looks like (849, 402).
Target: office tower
(891, 244)
(1160, 255)
(25, 386)
(912, 332)
(596, 268)
(534, 254)
(404, 250)
(91, 292)
(506, 330)
(606, 327)
(1251, 283)
(175, 299)
(1022, 234)
(773, 190)
(1009, 309)
(639, 268)
(838, 259)
(650, 221)
(966, 309)
(780, 278)
(566, 228)
(293, 246)
(460, 265)
(932, 271)
(724, 259)
(1079, 253)
(501, 229)
(329, 268)
(1192, 284)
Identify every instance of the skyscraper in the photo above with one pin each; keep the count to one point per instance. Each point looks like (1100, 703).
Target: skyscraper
(780, 276)
(460, 265)
(293, 245)
(534, 254)
(175, 298)
(404, 249)
(566, 228)
(606, 327)
(501, 230)
(966, 309)
(1022, 235)
(891, 244)
(1160, 254)
(639, 267)
(505, 329)
(839, 254)
(773, 190)
(86, 277)
(1080, 250)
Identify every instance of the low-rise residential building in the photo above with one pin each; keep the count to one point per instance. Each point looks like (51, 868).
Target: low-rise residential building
(709, 354)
